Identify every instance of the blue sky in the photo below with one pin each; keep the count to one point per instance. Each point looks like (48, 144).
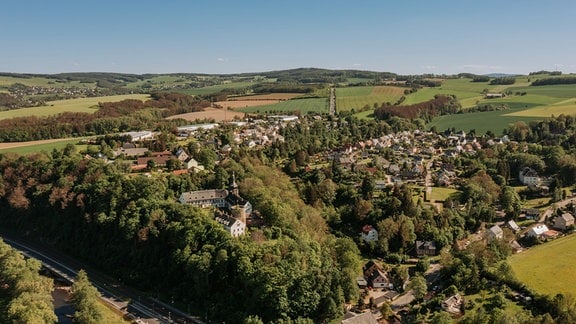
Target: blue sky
(225, 36)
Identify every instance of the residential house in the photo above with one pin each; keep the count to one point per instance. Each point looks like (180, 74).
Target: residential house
(379, 279)
(369, 233)
(369, 267)
(424, 248)
(376, 276)
(529, 177)
(453, 304)
(181, 155)
(537, 231)
(191, 163)
(494, 233)
(233, 225)
(513, 226)
(494, 95)
(563, 221)
(532, 213)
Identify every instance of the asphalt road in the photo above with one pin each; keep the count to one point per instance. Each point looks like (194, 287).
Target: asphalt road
(126, 299)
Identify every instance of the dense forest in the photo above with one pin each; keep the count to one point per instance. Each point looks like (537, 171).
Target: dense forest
(134, 228)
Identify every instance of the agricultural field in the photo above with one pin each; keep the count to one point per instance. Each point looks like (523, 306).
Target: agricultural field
(465, 90)
(216, 88)
(87, 105)
(481, 122)
(26, 148)
(356, 98)
(255, 100)
(302, 105)
(6, 81)
(268, 96)
(548, 268)
(158, 82)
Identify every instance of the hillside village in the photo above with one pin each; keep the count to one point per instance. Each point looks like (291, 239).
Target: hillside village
(416, 158)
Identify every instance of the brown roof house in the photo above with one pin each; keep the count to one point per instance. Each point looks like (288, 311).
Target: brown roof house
(425, 248)
(376, 276)
(563, 221)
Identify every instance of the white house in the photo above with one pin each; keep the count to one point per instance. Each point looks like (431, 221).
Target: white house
(369, 233)
(537, 230)
(233, 225)
(529, 177)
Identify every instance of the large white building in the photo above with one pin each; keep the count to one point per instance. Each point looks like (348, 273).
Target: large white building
(233, 210)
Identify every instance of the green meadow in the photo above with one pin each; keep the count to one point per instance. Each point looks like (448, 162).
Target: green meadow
(216, 88)
(548, 268)
(87, 105)
(481, 122)
(357, 98)
(44, 147)
(302, 105)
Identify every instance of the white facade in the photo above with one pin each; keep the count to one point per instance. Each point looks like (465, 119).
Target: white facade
(369, 234)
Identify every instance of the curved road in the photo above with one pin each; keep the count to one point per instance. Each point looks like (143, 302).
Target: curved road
(125, 299)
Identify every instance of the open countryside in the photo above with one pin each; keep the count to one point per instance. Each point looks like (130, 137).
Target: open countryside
(86, 105)
(548, 268)
(427, 190)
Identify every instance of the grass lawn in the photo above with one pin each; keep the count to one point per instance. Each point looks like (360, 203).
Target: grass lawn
(441, 194)
(548, 268)
(302, 105)
(87, 105)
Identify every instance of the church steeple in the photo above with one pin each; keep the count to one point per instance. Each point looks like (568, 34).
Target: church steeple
(233, 185)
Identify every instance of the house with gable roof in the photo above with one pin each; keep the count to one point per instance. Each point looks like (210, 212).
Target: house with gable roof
(494, 233)
(529, 177)
(563, 221)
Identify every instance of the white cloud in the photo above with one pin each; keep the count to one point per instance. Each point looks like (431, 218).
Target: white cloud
(428, 67)
(222, 59)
